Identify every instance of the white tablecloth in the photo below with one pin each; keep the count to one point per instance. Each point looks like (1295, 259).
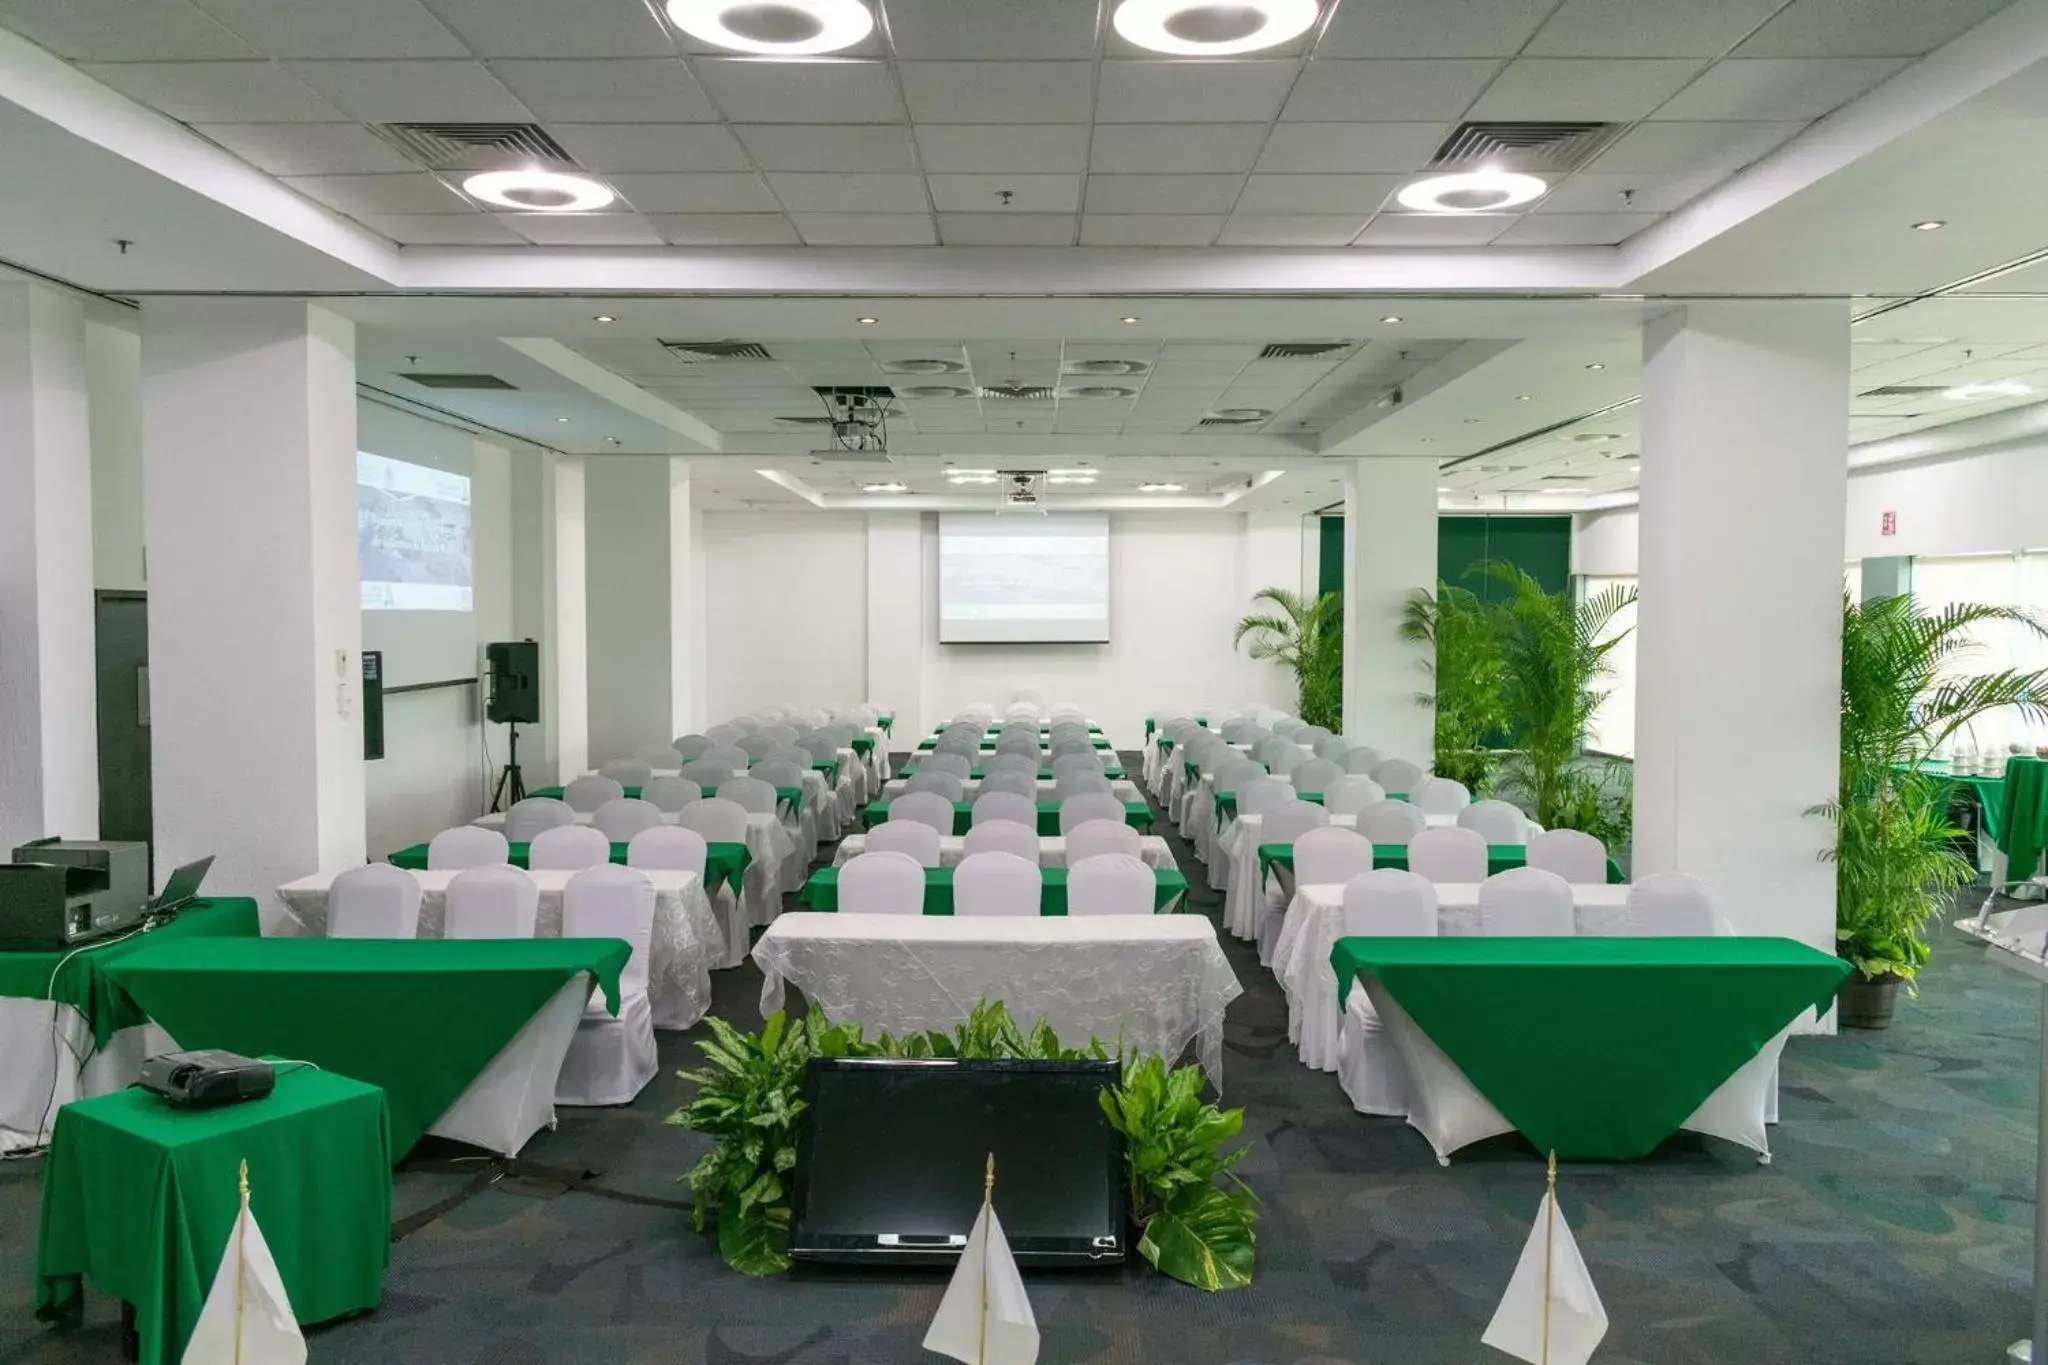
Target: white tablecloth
(769, 848)
(1123, 788)
(47, 1060)
(1052, 850)
(1154, 981)
(687, 941)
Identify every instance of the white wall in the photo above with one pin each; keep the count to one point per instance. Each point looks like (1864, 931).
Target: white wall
(1604, 543)
(786, 610)
(113, 381)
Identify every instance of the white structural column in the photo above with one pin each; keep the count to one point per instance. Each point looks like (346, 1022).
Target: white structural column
(1738, 655)
(645, 625)
(896, 636)
(49, 751)
(255, 625)
(1389, 553)
(548, 608)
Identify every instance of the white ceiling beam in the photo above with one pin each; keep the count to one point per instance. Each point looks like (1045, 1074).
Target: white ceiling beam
(1346, 434)
(623, 393)
(971, 449)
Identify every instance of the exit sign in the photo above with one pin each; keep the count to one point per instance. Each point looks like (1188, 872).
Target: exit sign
(1889, 524)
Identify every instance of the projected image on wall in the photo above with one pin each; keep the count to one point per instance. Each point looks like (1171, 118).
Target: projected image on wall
(413, 537)
(1023, 579)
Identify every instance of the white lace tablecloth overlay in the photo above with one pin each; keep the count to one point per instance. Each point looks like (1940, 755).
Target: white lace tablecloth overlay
(687, 938)
(1052, 850)
(1122, 788)
(1155, 981)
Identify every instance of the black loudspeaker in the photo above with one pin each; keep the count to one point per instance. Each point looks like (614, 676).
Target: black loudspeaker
(373, 703)
(515, 682)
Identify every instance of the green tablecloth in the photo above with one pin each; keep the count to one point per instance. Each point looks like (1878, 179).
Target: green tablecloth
(1499, 858)
(886, 724)
(1596, 1048)
(862, 744)
(976, 773)
(793, 795)
(418, 1017)
(821, 892)
(2021, 825)
(988, 746)
(82, 984)
(722, 861)
(1137, 815)
(829, 767)
(139, 1198)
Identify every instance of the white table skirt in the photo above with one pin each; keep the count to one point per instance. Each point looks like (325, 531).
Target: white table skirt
(1052, 850)
(1155, 982)
(1122, 788)
(47, 1060)
(687, 940)
(1243, 900)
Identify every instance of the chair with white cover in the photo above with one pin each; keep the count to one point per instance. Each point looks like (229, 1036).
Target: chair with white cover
(375, 900)
(721, 734)
(1439, 796)
(752, 794)
(796, 756)
(1263, 795)
(1572, 854)
(1447, 853)
(708, 773)
(782, 772)
(1331, 856)
(1072, 747)
(756, 746)
(1021, 810)
(1075, 810)
(1670, 905)
(1391, 822)
(1093, 838)
(821, 745)
(620, 820)
(1266, 906)
(669, 848)
(1397, 775)
(1315, 776)
(612, 1058)
(1333, 748)
(1080, 761)
(1002, 836)
(1387, 903)
(913, 837)
(1287, 727)
(881, 882)
(1499, 822)
(569, 848)
(997, 884)
(927, 808)
(1270, 748)
(944, 783)
(694, 746)
(959, 746)
(1526, 902)
(466, 846)
(1286, 761)
(1363, 760)
(1013, 781)
(1012, 763)
(1350, 794)
(959, 765)
(491, 902)
(732, 756)
(780, 734)
(536, 813)
(1018, 742)
(720, 821)
(586, 793)
(660, 759)
(627, 772)
(1077, 784)
(1111, 884)
(670, 794)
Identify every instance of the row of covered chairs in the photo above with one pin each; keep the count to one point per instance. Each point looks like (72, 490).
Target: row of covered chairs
(1326, 853)
(719, 818)
(671, 793)
(571, 848)
(1024, 786)
(923, 842)
(998, 881)
(961, 763)
(931, 808)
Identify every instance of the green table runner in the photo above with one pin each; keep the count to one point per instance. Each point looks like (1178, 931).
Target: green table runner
(82, 984)
(821, 892)
(1151, 725)
(140, 1198)
(722, 861)
(792, 795)
(862, 744)
(1499, 858)
(1137, 815)
(418, 1017)
(1596, 1048)
(988, 746)
(886, 724)
(1112, 771)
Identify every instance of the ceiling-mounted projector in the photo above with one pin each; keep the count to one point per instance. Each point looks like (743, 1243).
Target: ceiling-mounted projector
(859, 417)
(1022, 490)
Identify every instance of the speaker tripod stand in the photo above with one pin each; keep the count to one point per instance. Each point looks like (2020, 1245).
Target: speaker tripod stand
(511, 787)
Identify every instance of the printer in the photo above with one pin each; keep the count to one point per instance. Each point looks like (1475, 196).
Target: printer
(59, 893)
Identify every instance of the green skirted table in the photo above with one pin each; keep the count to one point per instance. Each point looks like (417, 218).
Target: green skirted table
(886, 724)
(723, 862)
(139, 1199)
(862, 745)
(821, 892)
(82, 983)
(1595, 1048)
(1499, 858)
(978, 772)
(2020, 828)
(1137, 815)
(419, 1018)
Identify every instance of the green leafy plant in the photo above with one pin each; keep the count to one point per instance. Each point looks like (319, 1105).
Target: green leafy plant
(1307, 638)
(1195, 1228)
(1467, 691)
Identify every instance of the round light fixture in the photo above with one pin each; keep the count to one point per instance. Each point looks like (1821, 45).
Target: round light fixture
(1162, 488)
(1391, 317)
(867, 322)
(1098, 391)
(1471, 192)
(933, 393)
(1596, 365)
(541, 191)
(1212, 28)
(1988, 388)
(604, 317)
(561, 419)
(1521, 398)
(1930, 225)
(774, 28)
(884, 488)
(1129, 321)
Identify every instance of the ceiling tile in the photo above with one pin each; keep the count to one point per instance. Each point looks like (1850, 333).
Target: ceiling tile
(417, 192)
(1147, 229)
(1648, 28)
(1677, 148)
(219, 92)
(1386, 92)
(984, 193)
(1434, 229)
(800, 92)
(1778, 87)
(824, 192)
(1357, 195)
(1212, 91)
(583, 229)
(865, 229)
(1599, 192)
(995, 92)
(1866, 28)
(1432, 28)
(626, 90)
(442, 229)
(1574, 229)
(704, 192)
(829, 147)
(549, 28)
(609, 147)
(322, 28)
(121, 30)
(725, 229)
(1007, 229)
(1284, 229)
(1002, 30)
(309, 148)
(408, 92)
(1338, 148)
(1162, 194)
(1617, 90)
(1176, 148)
(1041, 148)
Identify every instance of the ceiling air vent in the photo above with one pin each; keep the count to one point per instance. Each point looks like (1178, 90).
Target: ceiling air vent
(1111, 367)
(1301, 350)
(1902, 390)
(1098, 391)
(1230, 421)
(1017, 393)
(1527, 146)
(806, 420)
(923, 366)
(457, 381)
(933, 393)
(702, 352)
(476, 146)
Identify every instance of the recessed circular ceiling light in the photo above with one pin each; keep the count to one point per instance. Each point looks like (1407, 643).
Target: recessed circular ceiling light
(867, 322)
(774, 28)
(1471, 192)
(1391, 317)
(923, 366)
(561, 419)
(1098, 391)
(1130, 321)
(1989, 388)
(1243, 414)
(1593, 436)
(1521, 398)
(1596, 365)
(541, 191)
(1212, 28)
(1930, 225)
(604, 317)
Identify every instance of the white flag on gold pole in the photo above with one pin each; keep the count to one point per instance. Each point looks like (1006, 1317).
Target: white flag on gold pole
(986, 1318)
(248, 1318)
(1551, 1314)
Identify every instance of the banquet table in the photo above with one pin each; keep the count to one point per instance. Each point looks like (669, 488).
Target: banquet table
(1119, 788)
(774, 865)
(688, 940)
(988, 745)
(140, 1199)
(1596, 1049)
(1499, 858)
(1152, 983)
(821, 892)
(724, 863)
(1111, 770)
(1052, 850)
(419, 1018)
(1137, 815)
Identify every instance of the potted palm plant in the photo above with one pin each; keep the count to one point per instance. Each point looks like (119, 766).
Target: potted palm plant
(1307, 638)
(1903, 699)
(1466, 687)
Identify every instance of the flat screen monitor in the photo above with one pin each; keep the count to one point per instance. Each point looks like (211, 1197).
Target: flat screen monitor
(891, 1156)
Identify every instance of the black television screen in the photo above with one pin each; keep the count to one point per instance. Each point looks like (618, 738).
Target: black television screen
(891, 1156)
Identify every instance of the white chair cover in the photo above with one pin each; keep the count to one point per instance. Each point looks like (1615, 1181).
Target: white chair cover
(707, 772)
(932, 780)
(1397, 775)
(586, 793)
(997, 884)
(1497, 822)
(1386, 903)
(620, 820)
(1017, 782)
(536, 813)
(490, 902)
(671, 794)
(1670, 904)
(669, 847)
(661, 758)
(1348, 795)
(1008, 807)
(732, 756)
(959, 765)
(719, 821)
(1263, 796)
(881, 883)
(1079, 809)
(627, 772)
(1285, 825)
(755, 746)
(1446, 853)
(612, 1058)
(1014, 763)
(1524, 902)
(1094, 838)
(1331, 856)
(1004, 836)
(1110, 884)
(569, 848)
(782, 772)
(927, 808)
(375, 900)
(913, 837)
(1283, 763)
(1391, 822)
(1362, 760)
(749, 793)
(1080, 784)
(694, 746)
(466, 846)
(1572, 854)
(1315, 776)
(1439, 796)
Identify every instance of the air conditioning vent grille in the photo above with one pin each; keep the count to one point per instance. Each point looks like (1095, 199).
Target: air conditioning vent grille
(1230, 421)
(1901, 390)
(457, 381)
(1523, 146)
(702, 352)
(477, 146)
(1017, 393)
(1301, 350)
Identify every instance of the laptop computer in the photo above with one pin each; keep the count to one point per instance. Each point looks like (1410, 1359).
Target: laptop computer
(181, 888)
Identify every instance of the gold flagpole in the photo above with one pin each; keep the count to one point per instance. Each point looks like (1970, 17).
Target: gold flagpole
(1549, 1231)
(988, 1197)
(240, 1219)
